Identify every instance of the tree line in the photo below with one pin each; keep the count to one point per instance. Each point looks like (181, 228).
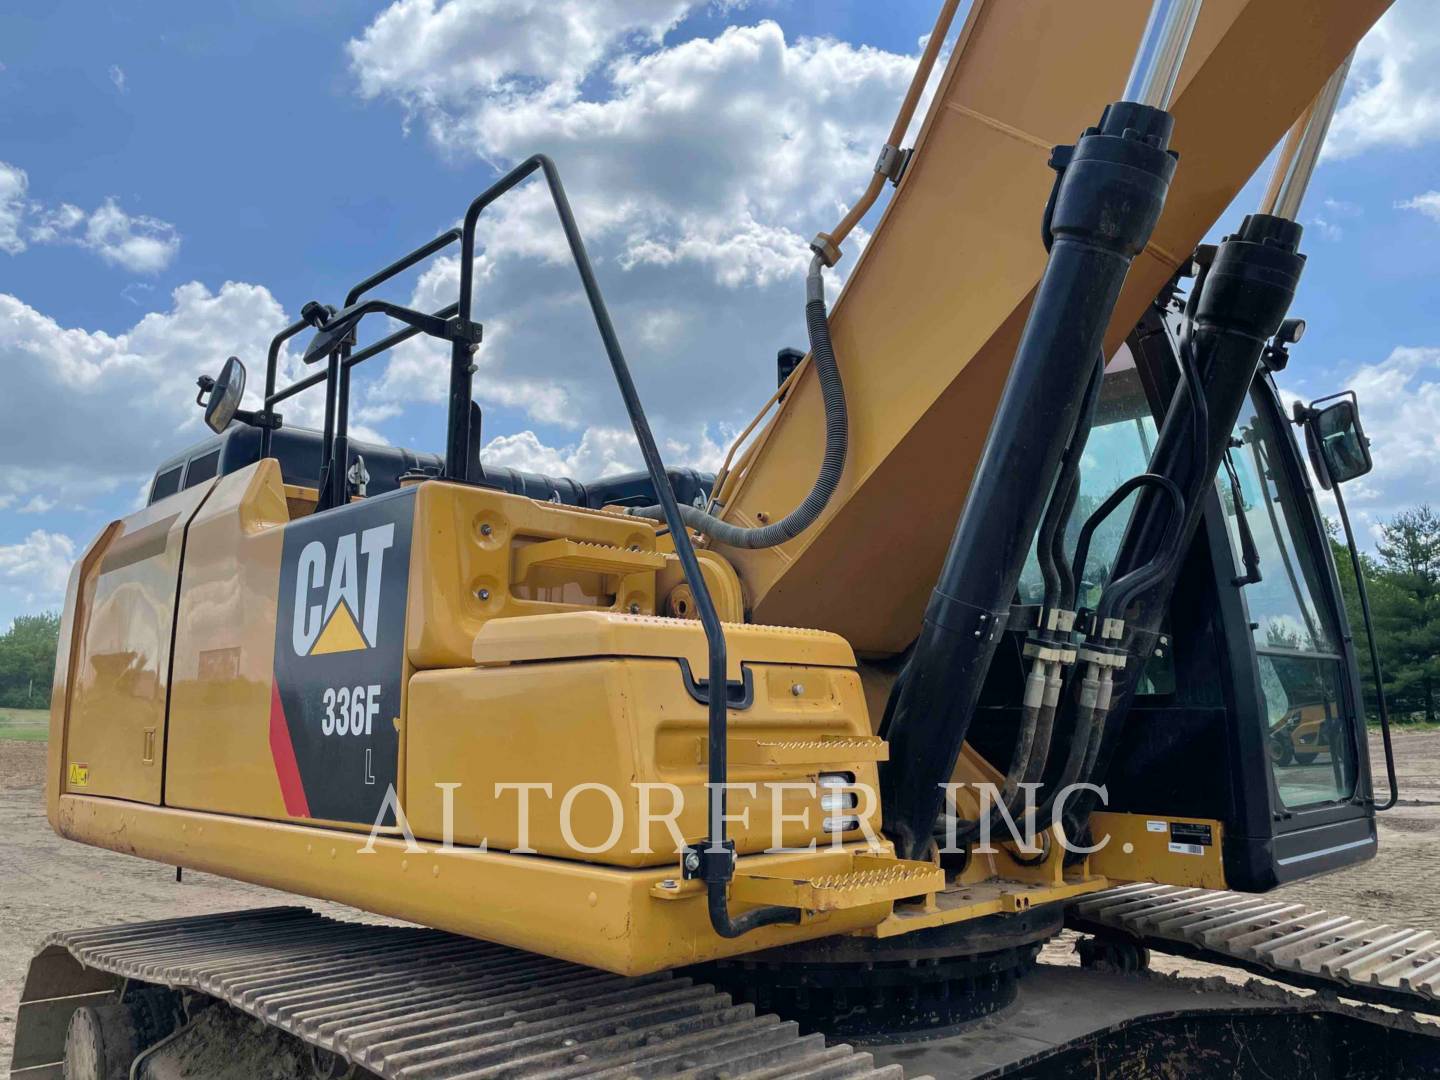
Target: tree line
(1403, 577)
(27, 661)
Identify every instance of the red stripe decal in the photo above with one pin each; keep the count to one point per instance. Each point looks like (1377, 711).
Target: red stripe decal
(283, 751)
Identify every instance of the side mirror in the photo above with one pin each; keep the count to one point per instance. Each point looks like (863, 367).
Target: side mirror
(226, 392)
(1339, 450)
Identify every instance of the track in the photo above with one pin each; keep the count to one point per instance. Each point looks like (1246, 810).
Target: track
(413, 1004)
(1291, 942)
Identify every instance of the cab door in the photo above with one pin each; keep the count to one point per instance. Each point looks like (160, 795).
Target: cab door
(1304, 745)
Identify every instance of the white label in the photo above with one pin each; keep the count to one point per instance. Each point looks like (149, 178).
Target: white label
(350, 711)
(1154, 826)
(1186, 849)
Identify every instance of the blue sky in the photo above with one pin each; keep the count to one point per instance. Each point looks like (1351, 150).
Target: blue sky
(176, 179)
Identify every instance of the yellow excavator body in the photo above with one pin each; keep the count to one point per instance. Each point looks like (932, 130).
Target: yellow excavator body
(492, 712)
(508, 659)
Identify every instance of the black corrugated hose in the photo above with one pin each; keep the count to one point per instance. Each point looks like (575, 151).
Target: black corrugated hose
(837, 442)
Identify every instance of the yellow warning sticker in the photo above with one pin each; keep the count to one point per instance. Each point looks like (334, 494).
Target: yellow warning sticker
(79, 774)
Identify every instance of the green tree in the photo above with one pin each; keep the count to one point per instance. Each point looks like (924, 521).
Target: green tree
(27, 660)
(1407, 608)
(1404, 587)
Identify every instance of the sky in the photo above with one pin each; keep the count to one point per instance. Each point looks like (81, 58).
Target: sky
(177, 179)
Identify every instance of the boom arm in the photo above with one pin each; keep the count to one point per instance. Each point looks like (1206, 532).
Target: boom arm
(927, 325)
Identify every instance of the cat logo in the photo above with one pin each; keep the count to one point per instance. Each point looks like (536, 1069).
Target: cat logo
(337, 607)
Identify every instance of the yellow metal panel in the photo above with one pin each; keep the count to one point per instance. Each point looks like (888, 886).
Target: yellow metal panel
(617, 723)
(597, 915)
(674, 592)
(121, 666)
(79, 597)
(1141, 848)
(219, 754)
(600, 633)
(927, 325)
(463, 560)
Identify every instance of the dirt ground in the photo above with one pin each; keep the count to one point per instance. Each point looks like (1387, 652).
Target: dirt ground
(48, 884)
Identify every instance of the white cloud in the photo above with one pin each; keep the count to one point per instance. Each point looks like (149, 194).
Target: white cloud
(600, 451)
(87, 412)
(135, 242)
(117, 76)
(13, 183)
(698, 173)
(145, 245)
(1395, 99)
(1427, 203)
(430, 54)
(1399, 403)
(35, 570)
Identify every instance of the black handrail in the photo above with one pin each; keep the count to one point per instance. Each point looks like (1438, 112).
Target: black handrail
(341, 451)
(1382, 707)
(335, 437)
(370, 351)
(716, 853)
(271, 364)
(714, 860)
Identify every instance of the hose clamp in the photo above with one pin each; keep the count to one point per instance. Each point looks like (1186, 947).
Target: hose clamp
(893, 162)
(1102, 656)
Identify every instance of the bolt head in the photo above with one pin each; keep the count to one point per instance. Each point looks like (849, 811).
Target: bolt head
(796, 689)
(483, 594)
(486, 529)
(692, 862)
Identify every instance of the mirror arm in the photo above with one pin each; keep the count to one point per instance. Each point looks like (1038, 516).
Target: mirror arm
(260, 418)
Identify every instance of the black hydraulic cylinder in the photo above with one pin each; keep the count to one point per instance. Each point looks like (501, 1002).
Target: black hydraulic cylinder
(1246, 293)
(1107, 198)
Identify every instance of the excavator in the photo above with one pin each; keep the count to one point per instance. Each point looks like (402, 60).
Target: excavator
(1012, 614)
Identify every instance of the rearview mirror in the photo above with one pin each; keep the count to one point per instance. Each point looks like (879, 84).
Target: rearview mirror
(1339, 450)
(225, 395)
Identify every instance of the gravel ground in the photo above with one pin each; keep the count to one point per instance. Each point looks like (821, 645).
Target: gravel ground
(48, 884)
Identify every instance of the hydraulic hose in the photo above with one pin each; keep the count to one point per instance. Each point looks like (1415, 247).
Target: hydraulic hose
(1050, 545)
(1043, 684)
(836, 236)
(1095, 690)
(727, 925)
(837, 443)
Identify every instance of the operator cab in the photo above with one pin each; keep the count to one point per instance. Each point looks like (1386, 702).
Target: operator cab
(1252, 714)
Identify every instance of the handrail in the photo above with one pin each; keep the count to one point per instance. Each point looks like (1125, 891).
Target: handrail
(399, 266)
(335, 437)
(271, 363)
(336, 445)
(714, 861)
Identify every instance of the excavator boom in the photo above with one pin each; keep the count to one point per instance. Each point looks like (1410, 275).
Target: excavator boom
(930, 316)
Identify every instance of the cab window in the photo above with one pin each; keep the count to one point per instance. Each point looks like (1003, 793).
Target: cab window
(166, 484)
(202, 468)
(1119, 447)
(1307, 726)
